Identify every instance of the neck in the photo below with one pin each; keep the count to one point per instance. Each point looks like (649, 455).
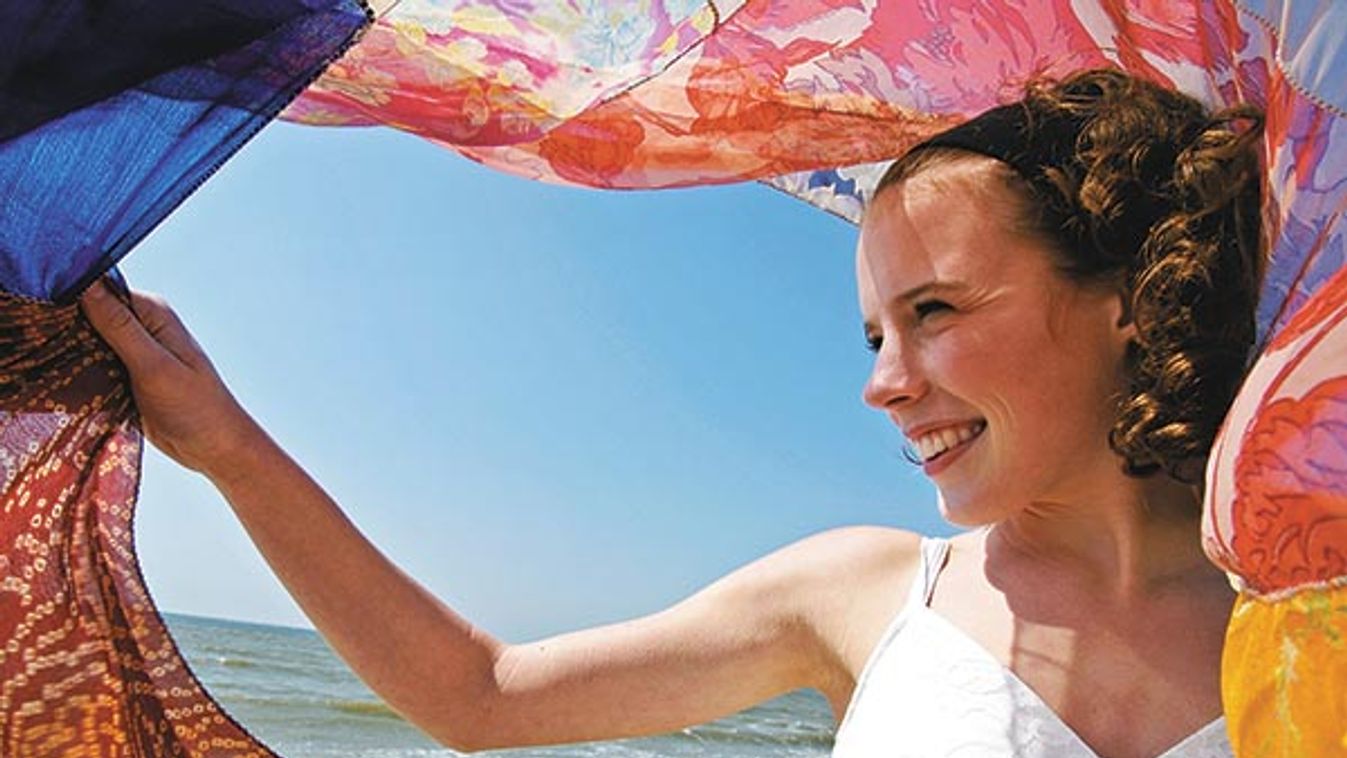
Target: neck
(1125, 541)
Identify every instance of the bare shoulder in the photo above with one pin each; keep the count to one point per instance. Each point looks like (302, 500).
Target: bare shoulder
(850, 553)
(832, 569)
(845, 586)
(862, 578)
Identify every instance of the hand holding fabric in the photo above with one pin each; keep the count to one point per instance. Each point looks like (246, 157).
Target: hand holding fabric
(186, 409)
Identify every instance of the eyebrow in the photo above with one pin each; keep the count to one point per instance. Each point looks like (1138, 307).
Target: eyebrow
(933, 286)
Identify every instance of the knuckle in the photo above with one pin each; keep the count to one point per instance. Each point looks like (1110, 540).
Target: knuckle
(121, 319)
(149, 302)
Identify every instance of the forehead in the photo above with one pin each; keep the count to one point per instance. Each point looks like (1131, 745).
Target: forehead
(952, 224)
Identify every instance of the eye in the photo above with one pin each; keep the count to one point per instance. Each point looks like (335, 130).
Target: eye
(927, 308)
(873, 342)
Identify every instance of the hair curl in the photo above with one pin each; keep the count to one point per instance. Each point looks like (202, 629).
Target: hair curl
(1160, 198)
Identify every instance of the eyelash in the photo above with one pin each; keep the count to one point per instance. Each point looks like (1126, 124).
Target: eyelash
(925, 308)
(929, 307)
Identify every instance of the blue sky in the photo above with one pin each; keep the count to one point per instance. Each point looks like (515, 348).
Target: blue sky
(555, 407)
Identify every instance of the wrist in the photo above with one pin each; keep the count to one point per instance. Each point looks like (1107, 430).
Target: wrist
(242, 451)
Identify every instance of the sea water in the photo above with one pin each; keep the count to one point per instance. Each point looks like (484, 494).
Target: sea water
(289, 690)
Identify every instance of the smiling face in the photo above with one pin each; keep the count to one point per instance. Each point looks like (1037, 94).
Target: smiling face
(1003, 374)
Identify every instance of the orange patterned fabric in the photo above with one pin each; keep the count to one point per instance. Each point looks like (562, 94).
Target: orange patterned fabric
(87, 669)
(1281, 464)
(1285, 666)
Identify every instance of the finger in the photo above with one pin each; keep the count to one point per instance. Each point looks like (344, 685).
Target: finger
(120, 328)
(163, 324)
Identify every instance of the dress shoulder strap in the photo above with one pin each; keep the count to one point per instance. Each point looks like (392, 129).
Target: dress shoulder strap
(932, 559)
(934, 552)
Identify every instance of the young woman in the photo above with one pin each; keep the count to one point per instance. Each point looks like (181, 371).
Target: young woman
(1060, 296)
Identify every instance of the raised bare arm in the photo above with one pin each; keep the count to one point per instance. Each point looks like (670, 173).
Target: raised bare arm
(776, 625)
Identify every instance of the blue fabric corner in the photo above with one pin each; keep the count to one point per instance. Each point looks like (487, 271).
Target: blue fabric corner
(112, 112)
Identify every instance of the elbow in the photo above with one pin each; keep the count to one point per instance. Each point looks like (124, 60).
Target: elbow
(478, 714)
(472, 722)
(459, 743)
(472, 733)
(463, 713)
(462, 734)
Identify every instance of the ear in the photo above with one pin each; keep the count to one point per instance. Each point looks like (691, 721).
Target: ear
(1124, 325)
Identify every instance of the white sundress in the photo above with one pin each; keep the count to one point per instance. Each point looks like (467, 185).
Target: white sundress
(930, 691)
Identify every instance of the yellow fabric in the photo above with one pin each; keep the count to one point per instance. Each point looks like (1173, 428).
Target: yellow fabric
(1285, 675)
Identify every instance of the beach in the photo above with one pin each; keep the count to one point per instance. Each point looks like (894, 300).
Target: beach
(287, 687)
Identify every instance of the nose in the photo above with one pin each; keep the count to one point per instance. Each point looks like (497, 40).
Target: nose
(895, 379)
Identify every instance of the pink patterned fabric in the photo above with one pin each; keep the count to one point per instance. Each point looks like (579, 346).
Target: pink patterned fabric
(806, 93)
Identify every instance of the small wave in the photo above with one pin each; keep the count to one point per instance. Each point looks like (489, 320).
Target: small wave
(363, 708)
(235, 663)
(720, 733)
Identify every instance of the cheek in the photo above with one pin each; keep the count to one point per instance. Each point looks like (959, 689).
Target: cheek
(1002, 366)
(1033, 387)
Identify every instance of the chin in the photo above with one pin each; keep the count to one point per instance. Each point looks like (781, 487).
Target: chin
(953, 513)
(960, 512)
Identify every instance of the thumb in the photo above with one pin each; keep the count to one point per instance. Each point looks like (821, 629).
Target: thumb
(117, 324)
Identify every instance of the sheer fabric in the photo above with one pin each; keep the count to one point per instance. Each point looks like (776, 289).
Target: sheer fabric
(111, 113)
(87, 665)
(1277, 519)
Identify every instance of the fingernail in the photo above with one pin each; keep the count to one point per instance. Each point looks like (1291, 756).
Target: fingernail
(96, 291)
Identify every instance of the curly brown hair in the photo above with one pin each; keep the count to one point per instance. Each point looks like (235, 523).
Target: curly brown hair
(1160, 198)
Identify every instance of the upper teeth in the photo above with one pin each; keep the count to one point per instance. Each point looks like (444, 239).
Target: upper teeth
(933, 443)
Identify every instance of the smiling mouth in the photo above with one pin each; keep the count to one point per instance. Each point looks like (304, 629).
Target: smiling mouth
(934, 444)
